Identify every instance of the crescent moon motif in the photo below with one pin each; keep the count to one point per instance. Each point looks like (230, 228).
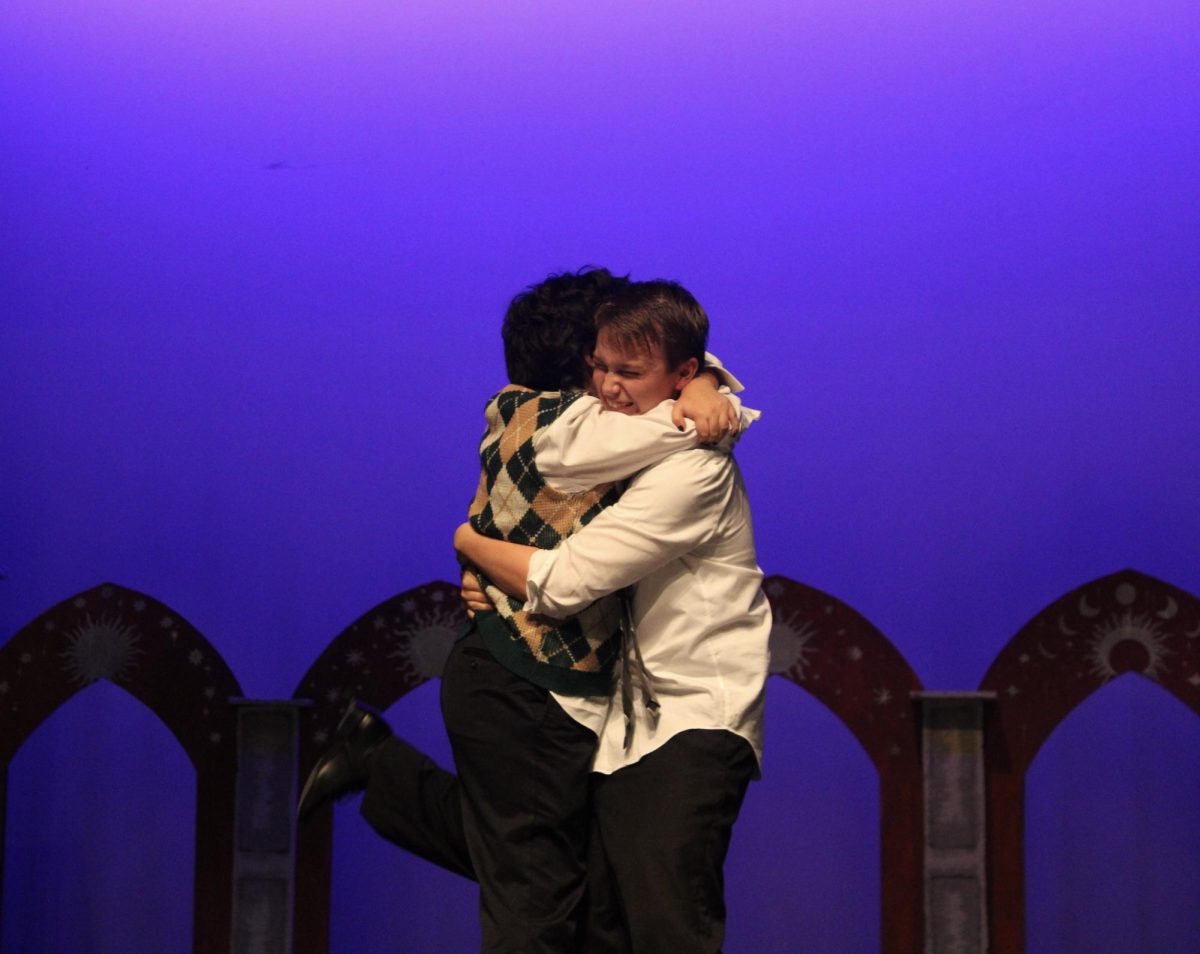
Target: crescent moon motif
(1085, 609)
(1064, 628)
(1045, 652)
(1169, 611)
(1194, 634)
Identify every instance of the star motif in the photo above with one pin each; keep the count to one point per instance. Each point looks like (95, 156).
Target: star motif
(1013, 691)
(195, 657)
(855, 653)
(883, 696)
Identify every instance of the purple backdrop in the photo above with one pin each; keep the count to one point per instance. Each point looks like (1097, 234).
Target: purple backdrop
(254, 259)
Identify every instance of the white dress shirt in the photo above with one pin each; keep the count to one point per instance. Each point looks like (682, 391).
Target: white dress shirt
(682, 532)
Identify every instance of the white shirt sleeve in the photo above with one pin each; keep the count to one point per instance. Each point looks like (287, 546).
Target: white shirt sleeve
(724, 375)
(587, 445)
(668, 510)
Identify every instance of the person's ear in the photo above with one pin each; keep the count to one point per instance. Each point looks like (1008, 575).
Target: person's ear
(685, 372)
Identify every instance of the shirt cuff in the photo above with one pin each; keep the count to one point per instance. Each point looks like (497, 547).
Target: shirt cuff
(725, 378)
(541, 563)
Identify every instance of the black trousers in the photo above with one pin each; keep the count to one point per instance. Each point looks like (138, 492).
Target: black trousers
(664, 825)
(523, 767)
(659, 834)
(416, 804)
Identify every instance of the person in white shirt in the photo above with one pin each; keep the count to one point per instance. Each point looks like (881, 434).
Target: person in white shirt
(516, 818)
(666, 796)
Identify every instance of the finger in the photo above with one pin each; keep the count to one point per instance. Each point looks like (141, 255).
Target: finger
(677, 417)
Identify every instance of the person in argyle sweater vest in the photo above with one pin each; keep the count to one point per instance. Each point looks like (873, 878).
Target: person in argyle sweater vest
(522, 761)
(514, 503)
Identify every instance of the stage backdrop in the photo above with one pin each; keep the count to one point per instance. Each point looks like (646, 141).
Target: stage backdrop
(253, 261)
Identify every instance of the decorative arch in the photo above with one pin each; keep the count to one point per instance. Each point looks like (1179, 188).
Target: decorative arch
(1126, 622)
(384, 654)
(835, 653)
(153, 653)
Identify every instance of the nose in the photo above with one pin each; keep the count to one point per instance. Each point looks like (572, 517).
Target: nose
(611, 384)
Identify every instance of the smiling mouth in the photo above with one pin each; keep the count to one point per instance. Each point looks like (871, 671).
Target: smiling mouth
(621, 407)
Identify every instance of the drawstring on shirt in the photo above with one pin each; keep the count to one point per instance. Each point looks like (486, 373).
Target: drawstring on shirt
(633, 668)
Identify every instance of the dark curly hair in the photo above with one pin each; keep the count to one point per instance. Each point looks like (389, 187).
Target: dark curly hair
(550, 330)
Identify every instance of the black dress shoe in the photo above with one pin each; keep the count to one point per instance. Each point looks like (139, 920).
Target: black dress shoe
(342, 768)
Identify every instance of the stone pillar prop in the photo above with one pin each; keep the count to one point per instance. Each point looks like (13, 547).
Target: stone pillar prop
(264, 826)
(956, 910)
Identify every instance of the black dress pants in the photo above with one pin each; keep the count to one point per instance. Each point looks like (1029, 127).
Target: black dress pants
(660, 832)
(523, 768)
(664, 824)
(415, 804)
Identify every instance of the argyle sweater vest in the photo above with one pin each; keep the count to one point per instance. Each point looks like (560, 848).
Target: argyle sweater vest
(573, 656)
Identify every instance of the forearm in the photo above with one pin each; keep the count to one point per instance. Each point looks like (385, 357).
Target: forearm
(667, 511)
(504, 564)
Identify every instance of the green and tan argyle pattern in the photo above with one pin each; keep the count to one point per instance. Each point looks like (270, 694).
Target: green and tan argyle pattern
(514, 503)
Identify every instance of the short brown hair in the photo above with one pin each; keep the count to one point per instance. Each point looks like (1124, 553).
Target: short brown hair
(643, 316)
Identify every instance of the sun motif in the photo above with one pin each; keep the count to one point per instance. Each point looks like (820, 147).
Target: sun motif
(424, 641)
(100, 649)
(789, 641)
(1128, 643)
